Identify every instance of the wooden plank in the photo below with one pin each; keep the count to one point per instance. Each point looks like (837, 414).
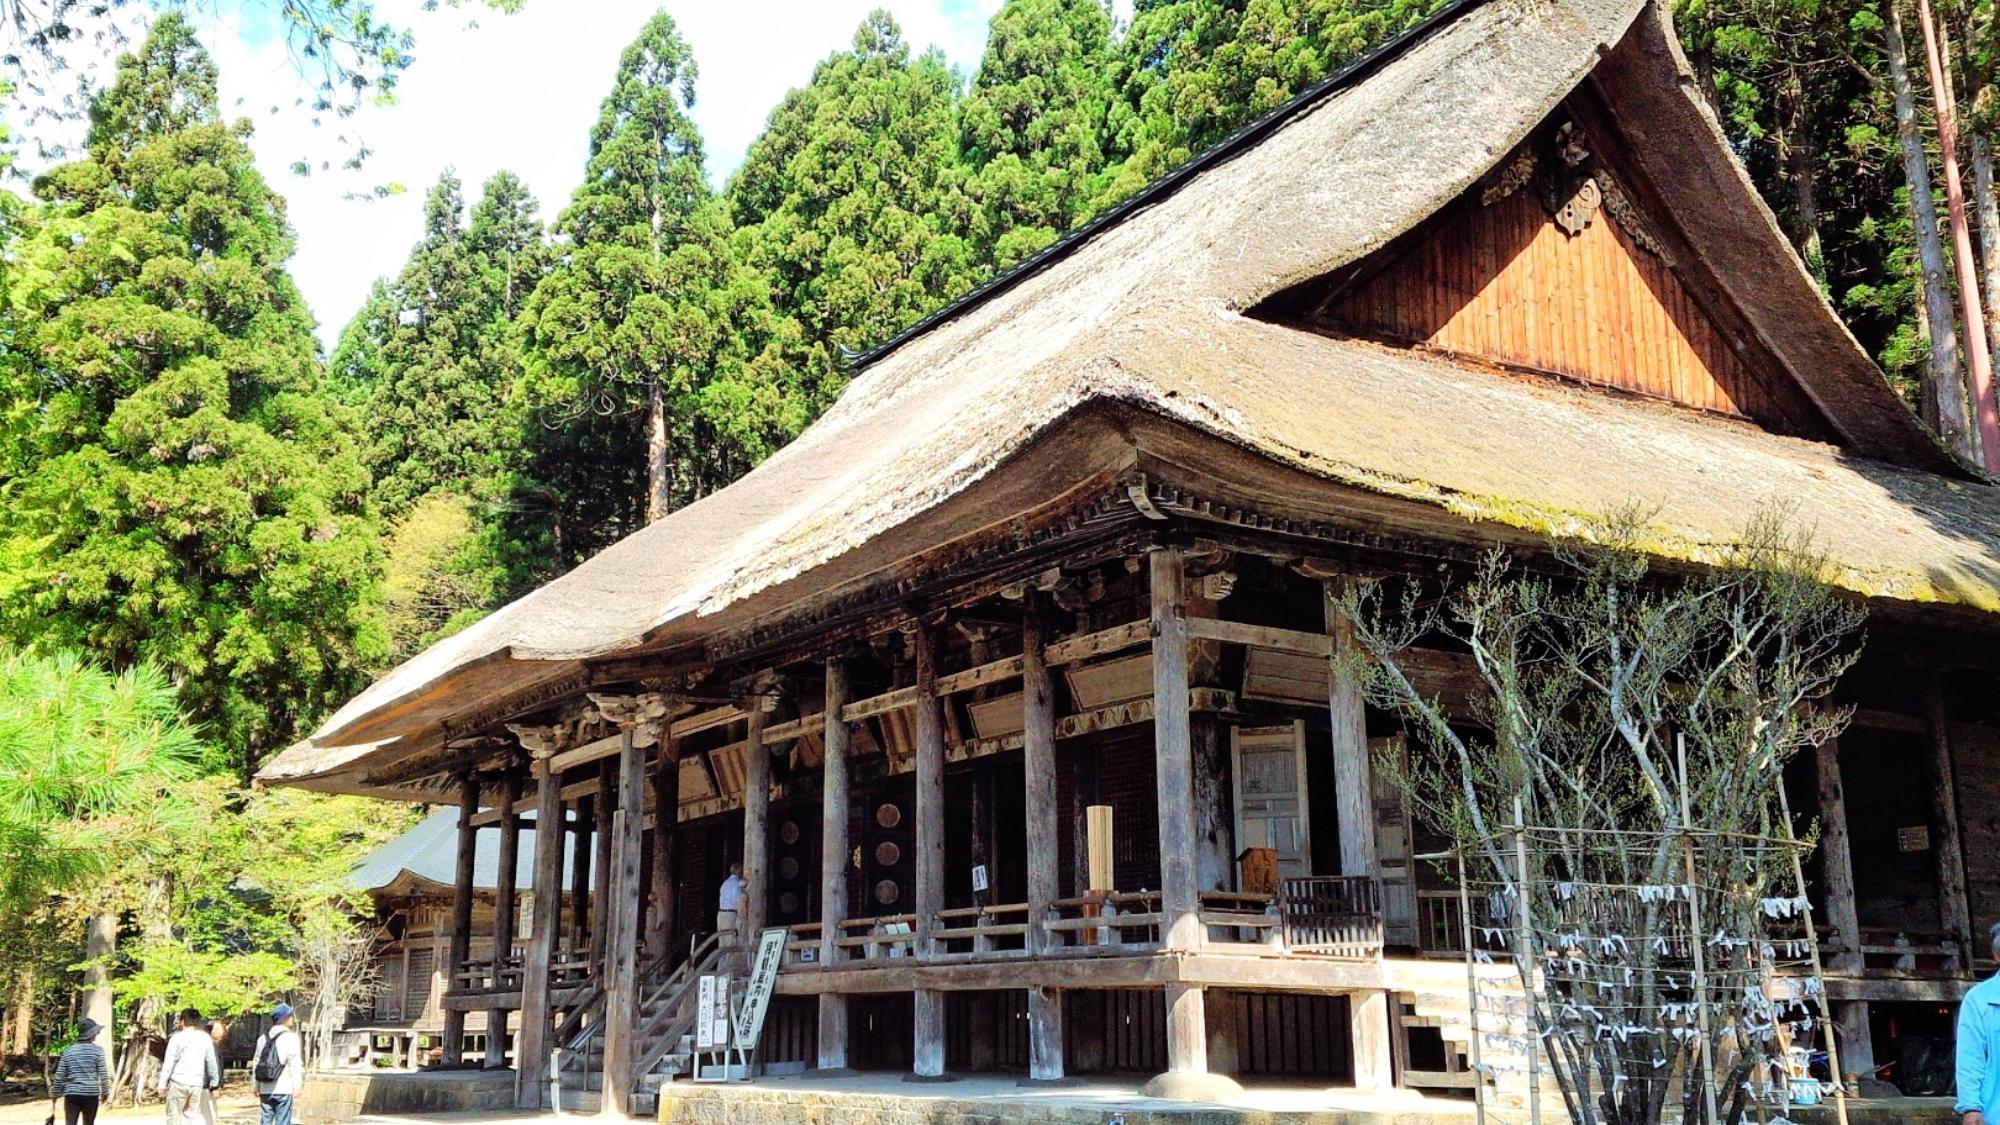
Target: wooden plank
(600, 883)
(833, 863)
(1101, 643)
(1038, 759)
(1368, 1032)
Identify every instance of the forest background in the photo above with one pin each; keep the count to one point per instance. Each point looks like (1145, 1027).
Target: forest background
(211, 532)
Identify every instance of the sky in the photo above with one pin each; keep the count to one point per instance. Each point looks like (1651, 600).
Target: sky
(490, 91)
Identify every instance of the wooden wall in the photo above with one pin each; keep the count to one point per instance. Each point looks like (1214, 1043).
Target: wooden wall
(1504, 283)
(1974, 750)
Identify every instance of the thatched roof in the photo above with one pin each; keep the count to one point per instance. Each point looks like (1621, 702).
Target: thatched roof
(1131, 344)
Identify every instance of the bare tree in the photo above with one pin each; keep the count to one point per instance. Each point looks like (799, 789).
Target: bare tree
(1618, 796)
(337, 967)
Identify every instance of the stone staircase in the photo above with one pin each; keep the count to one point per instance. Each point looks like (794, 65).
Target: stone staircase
(1433, 994)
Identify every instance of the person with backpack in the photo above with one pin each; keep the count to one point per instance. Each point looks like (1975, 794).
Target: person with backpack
(278, 1066)
(82, 1080)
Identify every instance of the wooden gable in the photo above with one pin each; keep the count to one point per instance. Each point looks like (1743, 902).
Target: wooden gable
(1557, 264)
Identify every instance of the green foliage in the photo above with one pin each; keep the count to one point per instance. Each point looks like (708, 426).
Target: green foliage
(439, 576)
(91, 765)
(648, 317)
(854, 202)
(174, 488)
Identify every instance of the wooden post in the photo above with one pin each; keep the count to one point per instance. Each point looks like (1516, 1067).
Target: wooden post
(833, 847)
(621, 917)
(756, 822)
(1368, 1030)
(1954, 909)
(666, 839)
(460, 950)
(531, 1044)
(600, 883)
(1353, 773)
(1038, 755)
(505, 908)
(1180, 905)
(1850, 1017)
(927, 1054)
(583, 830)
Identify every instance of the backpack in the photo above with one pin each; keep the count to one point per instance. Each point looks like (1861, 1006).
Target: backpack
(268, 1067)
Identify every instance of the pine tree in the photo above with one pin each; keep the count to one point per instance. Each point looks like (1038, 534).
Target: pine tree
(649, 313)
(176, 491)
(855, 202)
(1033, 124)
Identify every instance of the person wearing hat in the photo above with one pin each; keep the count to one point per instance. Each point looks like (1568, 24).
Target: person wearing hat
(278, 1067)
(82, 1079)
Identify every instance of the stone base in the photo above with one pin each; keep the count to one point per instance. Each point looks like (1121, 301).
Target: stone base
(334, 1096)
(1192, 1086)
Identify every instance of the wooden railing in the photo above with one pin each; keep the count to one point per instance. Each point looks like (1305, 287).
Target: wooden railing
(982, 929)
(1337, 915)
(1104, 922)
(866, 939)
(1236, 917)
(1902, 951)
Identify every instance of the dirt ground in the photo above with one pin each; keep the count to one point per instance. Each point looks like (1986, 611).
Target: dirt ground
(237, 1105)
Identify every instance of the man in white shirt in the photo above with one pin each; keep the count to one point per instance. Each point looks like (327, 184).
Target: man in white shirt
(189, 1071)
(727, 902)
(278, 1066)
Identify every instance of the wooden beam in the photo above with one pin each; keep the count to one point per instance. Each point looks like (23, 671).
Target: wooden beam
(1850, 1018)
(1180, 906)
(600, 883)
(460, 948)
(1353, 773)
(1369, 1033)
(666, 841)
(506, 907)
(1038, 758)
(1954, 908)
(833, 864)
(583, 831)
(756, 825)
(929, 767)
(531, 1046)
(621, 999)
(1260, 636)
(1187, 1029)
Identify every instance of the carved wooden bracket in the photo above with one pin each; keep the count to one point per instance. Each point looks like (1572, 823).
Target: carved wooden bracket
(543, 742)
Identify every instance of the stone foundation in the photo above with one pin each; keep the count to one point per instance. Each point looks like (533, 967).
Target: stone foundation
(337, 1096)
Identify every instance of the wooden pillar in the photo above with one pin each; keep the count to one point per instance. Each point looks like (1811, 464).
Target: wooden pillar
(531, 1044)
(927, 1053)
(506, 906)
(621, 924)
(460, 949)
(666, 840)
(1368, 1030)
(583, 831)
(1082, 760)
(1353, 774)
(600, 882)
(756, 824)
(1954, 908)
(1180, 904)
(833, 848)
(1038, 755)
(1850, 1017)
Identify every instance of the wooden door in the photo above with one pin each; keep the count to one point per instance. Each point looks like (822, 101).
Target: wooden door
(1392, 848)
(1270, 767)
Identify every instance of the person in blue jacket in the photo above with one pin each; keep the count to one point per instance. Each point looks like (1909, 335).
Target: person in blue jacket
(1979, 1044)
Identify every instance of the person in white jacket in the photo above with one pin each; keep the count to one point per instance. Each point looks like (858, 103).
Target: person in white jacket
(189, 1071)
(278, 1066)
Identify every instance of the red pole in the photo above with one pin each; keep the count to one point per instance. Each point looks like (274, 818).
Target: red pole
(1978, 360)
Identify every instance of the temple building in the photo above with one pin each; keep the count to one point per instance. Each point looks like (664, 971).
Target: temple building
(1015, 686)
